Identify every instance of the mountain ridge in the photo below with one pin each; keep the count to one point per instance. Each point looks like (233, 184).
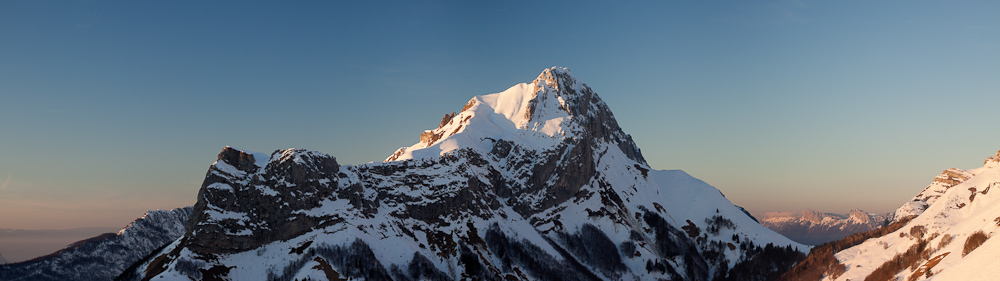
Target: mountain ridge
(813, 228)
(537, 182)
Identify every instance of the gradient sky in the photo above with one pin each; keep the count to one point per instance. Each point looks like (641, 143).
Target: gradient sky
(108, 108)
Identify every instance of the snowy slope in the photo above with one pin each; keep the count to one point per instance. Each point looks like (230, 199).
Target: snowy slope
(537, 182)
(813, 228)
(941, 184)
(950, 211)
(980, 264)
(103, 257)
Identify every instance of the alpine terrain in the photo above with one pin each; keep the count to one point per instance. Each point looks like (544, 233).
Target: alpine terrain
(813, 228)
(105, 256)
(537, 182)
(943, 233)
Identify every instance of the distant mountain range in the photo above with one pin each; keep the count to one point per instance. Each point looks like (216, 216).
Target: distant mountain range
(24, 244)
(813, 228)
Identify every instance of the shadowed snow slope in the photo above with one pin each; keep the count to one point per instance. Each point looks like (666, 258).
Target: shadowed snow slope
(534, 183)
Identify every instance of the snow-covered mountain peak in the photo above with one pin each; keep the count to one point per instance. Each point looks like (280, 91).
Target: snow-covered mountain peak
(536, 182)
(541, 114)
(554, 104)
(858, 216)
(812, 216)
(551, 76)
(558, 79)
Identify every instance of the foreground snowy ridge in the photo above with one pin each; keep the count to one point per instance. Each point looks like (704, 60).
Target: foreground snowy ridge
(943, 233)
(537, 182)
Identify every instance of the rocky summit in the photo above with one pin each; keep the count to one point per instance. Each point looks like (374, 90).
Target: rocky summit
(537, 182)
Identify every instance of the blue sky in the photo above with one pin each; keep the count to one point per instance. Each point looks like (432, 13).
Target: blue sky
(108, 108)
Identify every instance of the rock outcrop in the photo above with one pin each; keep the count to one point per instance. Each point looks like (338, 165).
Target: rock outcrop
(938, 187)
(232, 215)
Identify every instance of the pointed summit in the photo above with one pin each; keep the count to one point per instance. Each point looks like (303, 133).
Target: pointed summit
(552, 108)
(859, 217)
(550, 76)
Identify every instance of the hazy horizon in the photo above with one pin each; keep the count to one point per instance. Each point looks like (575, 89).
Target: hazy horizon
(110, 109)
(17, 245)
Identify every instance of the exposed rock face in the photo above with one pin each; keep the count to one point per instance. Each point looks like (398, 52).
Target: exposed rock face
(992, 160)
(2, 260)
(105, 256)
(862, 217)
(811, 216)
(952, 177)
(447, 118)
(814, 228)
(581, 102)
(534, 183)
(941, 184)
(229, 198)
